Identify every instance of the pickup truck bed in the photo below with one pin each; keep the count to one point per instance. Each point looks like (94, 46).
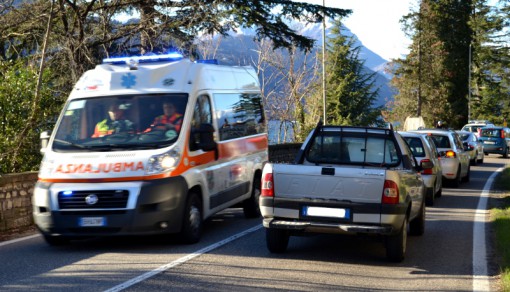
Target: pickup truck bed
(345, 180)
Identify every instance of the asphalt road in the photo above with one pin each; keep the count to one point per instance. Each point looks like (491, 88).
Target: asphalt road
(233, 257)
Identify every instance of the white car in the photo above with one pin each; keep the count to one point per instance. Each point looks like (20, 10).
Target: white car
(453, 155)
(475, 126)
(424, 150)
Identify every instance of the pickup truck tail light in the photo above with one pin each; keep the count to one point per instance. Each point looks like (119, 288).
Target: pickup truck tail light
(267, 185)
(390, 193)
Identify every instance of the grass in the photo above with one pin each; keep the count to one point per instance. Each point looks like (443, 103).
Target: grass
(501, 218)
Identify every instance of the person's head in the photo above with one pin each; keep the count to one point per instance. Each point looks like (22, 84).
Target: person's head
(168, 108)
(115, 112)
(439, 123)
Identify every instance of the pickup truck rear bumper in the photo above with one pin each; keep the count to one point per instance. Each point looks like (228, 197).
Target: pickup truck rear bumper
(326, 227)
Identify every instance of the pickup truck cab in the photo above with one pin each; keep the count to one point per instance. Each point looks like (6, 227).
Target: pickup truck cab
(353, 180)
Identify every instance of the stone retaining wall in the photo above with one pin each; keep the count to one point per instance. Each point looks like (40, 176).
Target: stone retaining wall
(15, 201)
(16, 191)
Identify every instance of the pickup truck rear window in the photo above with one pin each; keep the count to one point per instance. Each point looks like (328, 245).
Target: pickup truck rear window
(340, 149)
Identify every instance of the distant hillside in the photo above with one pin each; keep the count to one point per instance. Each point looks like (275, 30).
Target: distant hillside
(240, 49)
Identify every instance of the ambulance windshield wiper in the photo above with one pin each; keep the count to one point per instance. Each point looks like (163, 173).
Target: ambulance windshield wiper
(71, 144)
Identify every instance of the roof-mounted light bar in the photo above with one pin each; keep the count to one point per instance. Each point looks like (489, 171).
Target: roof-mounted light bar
(172, 57)
(208, 61)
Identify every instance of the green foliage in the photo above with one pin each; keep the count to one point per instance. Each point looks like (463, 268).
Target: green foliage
(16, 95)
(350, 91)
(433, 80)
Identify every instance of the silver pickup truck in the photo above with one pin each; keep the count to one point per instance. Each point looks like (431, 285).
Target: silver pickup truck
(353, 180)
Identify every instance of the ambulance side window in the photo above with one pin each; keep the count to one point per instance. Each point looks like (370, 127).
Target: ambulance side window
(202, 114)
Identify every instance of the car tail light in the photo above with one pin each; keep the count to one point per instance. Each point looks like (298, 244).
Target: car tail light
(502, 133)
(267, 185)
(390, 193)
(450, 154)
(426, 170)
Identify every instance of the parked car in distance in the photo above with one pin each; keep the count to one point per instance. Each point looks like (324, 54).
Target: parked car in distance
(495, 140)
(475, 126)
(453, 155)
(474, 145)
(424, 149)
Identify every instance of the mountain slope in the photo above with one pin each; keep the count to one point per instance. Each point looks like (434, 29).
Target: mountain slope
(240, 49)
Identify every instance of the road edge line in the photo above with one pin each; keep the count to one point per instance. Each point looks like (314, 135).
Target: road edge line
(480, 271)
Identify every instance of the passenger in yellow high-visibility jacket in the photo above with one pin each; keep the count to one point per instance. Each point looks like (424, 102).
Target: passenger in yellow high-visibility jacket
(115, 123)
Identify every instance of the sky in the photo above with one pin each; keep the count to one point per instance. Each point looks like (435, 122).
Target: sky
(376, 23)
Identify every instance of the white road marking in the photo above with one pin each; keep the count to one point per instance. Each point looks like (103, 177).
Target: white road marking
(182, 260)
(18, 239)
(480, 271)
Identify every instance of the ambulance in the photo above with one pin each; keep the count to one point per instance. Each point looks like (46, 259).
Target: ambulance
(145, 179)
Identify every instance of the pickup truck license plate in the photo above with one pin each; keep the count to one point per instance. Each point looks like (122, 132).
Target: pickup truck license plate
(92, 221)
(326, 212)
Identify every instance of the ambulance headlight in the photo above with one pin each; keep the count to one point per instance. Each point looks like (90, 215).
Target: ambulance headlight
(163, 162)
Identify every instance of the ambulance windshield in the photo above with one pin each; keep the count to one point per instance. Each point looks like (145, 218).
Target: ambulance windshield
(121, 123)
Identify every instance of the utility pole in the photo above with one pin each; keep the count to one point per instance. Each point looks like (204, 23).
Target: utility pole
(469, 85)
(324, 63)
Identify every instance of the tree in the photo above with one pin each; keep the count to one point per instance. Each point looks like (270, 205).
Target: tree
(350, 92)
(20, 78)
(454, 42)
(490, 62)
(85, 31)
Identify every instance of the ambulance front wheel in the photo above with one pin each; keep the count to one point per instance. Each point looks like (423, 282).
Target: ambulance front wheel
(192, 221)
(251, 206)
(56, 240)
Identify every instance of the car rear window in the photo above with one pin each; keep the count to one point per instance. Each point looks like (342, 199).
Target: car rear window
(441, 141)
(416, 146)
(464, 137)
(339, 149)
(490, 133)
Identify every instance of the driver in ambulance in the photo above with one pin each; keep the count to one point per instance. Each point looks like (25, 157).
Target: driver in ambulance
(170, 119)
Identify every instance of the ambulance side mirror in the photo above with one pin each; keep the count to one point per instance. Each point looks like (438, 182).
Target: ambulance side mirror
(207, 142)
(45, 138)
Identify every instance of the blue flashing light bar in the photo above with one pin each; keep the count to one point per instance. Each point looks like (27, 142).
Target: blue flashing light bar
(67, 193)
(172, 57)
(210, 61)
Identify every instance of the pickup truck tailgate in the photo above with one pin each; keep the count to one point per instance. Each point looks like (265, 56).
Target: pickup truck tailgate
(357, 185)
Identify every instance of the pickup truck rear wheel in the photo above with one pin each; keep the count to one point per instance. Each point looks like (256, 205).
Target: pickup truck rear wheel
(277, 240)
(396, 244)
(251, 207)
(417, 225)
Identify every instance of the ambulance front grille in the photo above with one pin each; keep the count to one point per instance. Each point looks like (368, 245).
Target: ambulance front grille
(106, 199)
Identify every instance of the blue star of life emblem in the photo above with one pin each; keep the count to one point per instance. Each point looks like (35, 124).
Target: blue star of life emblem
(128, 80)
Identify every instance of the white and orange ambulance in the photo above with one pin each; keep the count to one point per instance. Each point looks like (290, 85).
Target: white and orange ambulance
(118, 164)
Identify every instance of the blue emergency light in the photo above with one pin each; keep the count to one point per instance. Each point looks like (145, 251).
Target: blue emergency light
(172, 57)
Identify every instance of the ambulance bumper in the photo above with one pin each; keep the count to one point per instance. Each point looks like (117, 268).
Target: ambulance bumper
(124, 208)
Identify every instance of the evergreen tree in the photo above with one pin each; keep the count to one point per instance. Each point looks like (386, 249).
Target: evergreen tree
(490, 57)
(350, 92)
(433, 80)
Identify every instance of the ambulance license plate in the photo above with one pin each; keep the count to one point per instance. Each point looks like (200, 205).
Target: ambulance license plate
(92, 221)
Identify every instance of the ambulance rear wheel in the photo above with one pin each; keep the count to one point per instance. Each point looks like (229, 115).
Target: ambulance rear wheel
(192, 221)
(251, 206)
